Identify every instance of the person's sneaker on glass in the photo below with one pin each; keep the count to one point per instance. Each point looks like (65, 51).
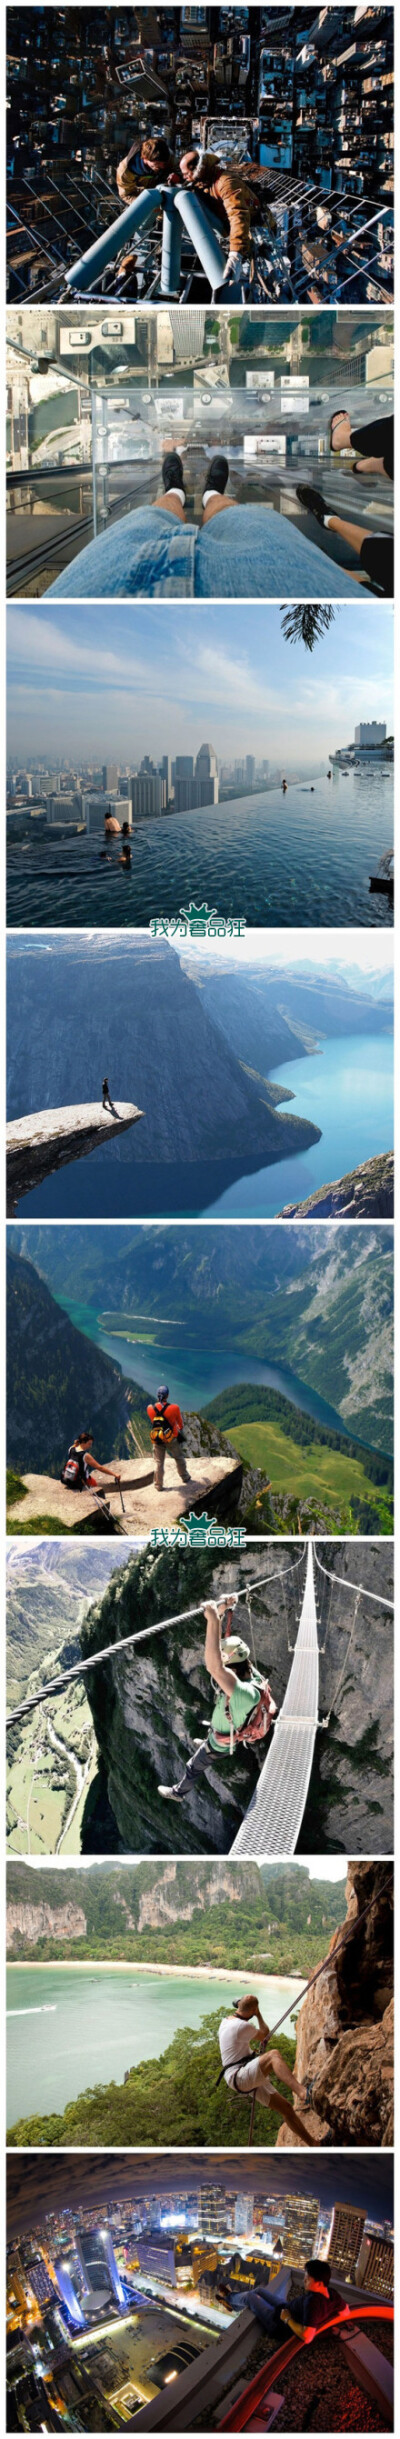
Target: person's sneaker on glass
(172, 474)
(313, 501)
(217, 478)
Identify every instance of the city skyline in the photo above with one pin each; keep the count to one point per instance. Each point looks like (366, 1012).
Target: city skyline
(227, 676)
(39, 2183)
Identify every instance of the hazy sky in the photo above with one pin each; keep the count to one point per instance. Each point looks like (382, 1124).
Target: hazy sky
(368, 952)
(115, 680)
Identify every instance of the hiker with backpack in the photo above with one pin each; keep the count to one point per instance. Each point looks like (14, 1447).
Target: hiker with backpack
(243, 1708)
(248, 2066)
(77, 1473)
(166, 1434)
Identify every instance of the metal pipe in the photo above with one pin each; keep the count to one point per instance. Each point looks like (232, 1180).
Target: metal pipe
(171, 249)
(202, 235)
(138, 215)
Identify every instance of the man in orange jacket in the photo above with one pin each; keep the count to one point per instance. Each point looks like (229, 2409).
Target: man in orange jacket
(166, 1427)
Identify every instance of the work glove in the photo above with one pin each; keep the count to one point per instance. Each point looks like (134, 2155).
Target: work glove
(234, 266)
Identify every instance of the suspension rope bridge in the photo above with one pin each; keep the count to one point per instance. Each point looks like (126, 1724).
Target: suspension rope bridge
(350, 1587)
(273, 1821)
(111, 1651)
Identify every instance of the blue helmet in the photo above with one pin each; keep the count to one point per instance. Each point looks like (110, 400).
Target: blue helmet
(162, 1395)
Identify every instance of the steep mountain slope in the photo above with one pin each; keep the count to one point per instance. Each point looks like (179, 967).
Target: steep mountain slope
(58, 1382)
(319, 1300)
(48, 1593)
(365, 1193)
(277, 1014)
(125, 1004)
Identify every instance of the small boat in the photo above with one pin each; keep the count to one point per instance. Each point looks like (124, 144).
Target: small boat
(383, 879)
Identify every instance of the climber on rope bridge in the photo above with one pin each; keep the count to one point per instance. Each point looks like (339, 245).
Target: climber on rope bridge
(246, 2072)
(243, 1708)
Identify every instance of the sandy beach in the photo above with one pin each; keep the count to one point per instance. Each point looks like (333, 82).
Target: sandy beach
(189, 1973)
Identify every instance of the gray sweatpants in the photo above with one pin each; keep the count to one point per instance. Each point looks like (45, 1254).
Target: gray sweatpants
(160, 1454)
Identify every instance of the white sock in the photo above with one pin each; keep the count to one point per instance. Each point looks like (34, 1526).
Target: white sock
(211, 495)
(327, 520)
(174, 493)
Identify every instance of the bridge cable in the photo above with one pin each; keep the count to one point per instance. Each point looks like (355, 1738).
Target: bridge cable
(111, 1650)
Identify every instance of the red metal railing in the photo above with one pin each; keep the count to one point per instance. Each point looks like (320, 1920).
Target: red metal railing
(253, 2395)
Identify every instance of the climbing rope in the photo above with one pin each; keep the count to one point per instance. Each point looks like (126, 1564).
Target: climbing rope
(111, 1651)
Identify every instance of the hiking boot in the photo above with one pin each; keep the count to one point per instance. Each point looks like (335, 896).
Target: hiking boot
(218, 475)
(313, 501)
(172, 472)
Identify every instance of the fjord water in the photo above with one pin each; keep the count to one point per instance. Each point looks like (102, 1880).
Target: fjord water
(197, 1373)
(346, 1088)
(102, 2022)
(303, 858)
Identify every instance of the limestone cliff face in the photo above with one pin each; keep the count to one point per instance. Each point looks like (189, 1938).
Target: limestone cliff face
(27, 1924)
(344, 2046)
(164, 1903)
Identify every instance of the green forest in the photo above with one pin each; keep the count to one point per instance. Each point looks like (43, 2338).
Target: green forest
(170, 2100)
(279, 1920)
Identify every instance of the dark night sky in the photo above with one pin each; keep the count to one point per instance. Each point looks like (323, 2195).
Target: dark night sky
(39, 2182)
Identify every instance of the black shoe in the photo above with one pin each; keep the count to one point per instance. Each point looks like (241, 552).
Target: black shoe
(313, 501)
(218, 474)
(172, 472)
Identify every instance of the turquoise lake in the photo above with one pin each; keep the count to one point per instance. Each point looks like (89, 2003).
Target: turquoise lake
(346, 1088)
(102, 2022)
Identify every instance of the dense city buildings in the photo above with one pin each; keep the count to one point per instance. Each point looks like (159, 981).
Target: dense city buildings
(108, 2301)
(300, 99)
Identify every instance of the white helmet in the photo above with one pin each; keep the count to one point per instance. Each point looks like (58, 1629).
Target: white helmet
(233, 1648)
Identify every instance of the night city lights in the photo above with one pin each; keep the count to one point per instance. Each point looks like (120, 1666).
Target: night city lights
(126, 2274)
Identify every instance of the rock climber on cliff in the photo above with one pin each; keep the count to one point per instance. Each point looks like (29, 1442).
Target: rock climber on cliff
(248, 2065)
(243, 1707)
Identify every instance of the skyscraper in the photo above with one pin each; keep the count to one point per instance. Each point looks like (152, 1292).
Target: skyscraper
(244, 2214)
(345, 2237)
(110, 777)
(301, 2216)
(97, 2259)
(216, 2212)
(375, 2265)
